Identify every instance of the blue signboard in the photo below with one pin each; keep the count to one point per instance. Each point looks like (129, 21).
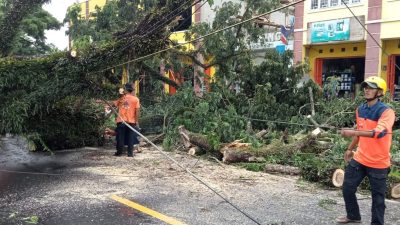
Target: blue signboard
(332, 30)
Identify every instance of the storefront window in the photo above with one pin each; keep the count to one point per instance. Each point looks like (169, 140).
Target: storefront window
(346, 73)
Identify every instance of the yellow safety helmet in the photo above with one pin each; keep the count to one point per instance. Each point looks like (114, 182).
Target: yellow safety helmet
(375, 82)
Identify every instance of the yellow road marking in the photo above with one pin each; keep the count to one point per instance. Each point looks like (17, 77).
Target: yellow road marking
(147, 211)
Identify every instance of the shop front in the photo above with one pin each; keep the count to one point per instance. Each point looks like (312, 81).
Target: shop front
(342, 63)
(336, 52)
(391, 66)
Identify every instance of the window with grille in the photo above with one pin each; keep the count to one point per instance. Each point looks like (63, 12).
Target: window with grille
(314, 4)
(322, 4)
(335, 2)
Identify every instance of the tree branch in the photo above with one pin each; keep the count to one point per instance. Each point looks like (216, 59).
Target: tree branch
(156, 74)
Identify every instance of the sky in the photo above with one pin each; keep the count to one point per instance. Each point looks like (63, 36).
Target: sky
(58, 8)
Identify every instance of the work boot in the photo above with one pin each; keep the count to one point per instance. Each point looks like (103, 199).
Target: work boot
(130, 153)
(344, 219)
(117, 153)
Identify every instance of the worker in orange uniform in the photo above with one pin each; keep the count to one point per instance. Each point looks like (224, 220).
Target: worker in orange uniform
(129, 111)
(373, 138)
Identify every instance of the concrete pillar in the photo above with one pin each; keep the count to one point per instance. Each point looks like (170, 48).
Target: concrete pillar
(298, 32)
(373, 51)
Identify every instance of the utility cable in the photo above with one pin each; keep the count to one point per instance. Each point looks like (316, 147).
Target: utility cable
(165, 19)
(153, 28)
(190, 17)
(308, 125)
(201, 37)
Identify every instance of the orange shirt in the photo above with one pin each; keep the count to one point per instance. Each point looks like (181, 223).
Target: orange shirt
(374, 151)
(127, 106)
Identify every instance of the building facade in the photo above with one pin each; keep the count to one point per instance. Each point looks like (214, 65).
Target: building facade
(345, 41)
(272, 24)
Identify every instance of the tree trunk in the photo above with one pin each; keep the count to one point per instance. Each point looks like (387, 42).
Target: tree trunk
(190, 139)
(196, 151)
(232, 155)
(275, 168)
(261, 134)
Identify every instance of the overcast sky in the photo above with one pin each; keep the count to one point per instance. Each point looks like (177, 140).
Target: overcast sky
(58, 8)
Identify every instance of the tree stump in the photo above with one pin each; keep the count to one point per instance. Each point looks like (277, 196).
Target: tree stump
(338, 178)
(395, 191)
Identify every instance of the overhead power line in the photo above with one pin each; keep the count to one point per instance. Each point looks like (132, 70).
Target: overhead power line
(199, 38)
(369, 33)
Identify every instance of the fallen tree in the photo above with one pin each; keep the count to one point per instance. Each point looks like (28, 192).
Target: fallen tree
(33, 88)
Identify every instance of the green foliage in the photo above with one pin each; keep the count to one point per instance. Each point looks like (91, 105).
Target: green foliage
(22, 26)
(105, 22)
(17, 218)
(317, 169)
(31, 39)
(43, 95)
(56, 132)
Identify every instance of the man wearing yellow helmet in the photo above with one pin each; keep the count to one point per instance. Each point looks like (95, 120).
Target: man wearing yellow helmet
(373, 138)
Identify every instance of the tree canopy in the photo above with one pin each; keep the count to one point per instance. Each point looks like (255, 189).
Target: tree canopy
(22, 27)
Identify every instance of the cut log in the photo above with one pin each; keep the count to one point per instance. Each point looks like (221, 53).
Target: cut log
(237, 144)
(184, 136)
(275, 168)
(395, 191)
(249, 128)
(190, 139)
(261, 134)
(231, 155)
(256, 159)
(338, 178)
(196, 151)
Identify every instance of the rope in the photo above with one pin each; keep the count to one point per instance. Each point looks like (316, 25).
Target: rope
(180, 166)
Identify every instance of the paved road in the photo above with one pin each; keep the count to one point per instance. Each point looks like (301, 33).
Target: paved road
(82, 186)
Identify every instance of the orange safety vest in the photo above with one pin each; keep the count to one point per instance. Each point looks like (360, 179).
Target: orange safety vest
(374, 151)
(127, 106)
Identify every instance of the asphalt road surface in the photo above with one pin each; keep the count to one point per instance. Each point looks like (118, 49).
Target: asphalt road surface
(90, 186)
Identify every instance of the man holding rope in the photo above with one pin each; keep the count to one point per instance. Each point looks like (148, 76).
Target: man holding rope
(373, 138)
(128, 110)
